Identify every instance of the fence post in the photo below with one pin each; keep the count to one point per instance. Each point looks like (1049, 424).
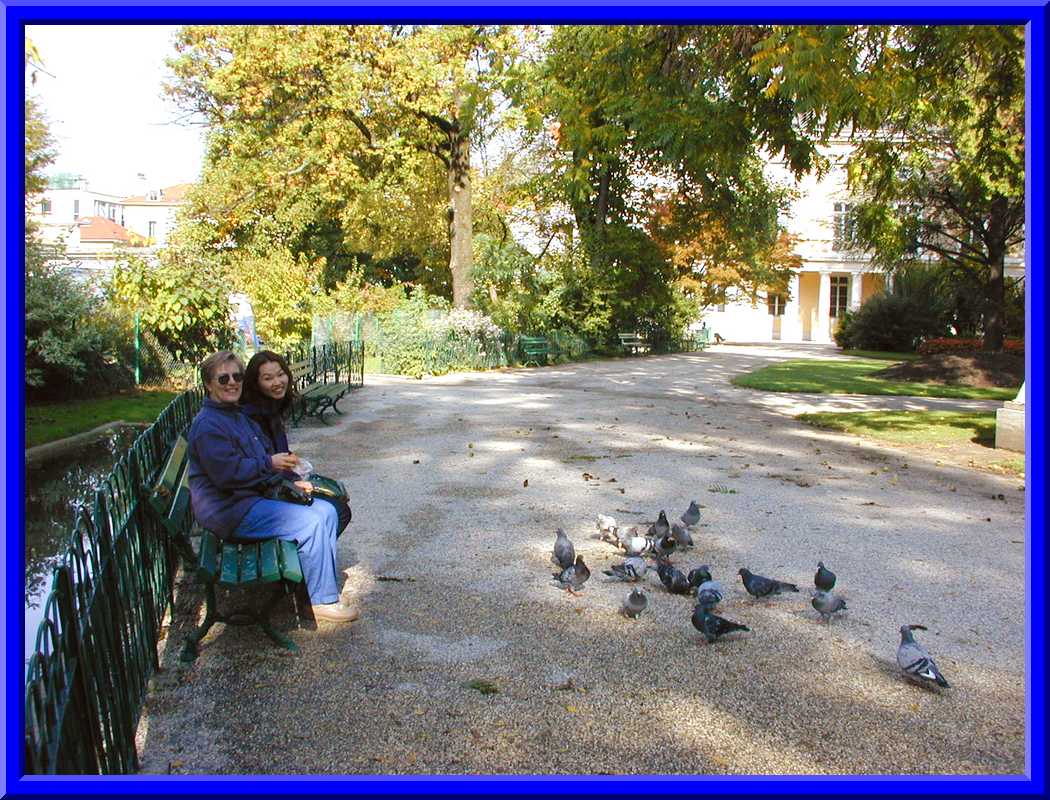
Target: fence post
(138, 349)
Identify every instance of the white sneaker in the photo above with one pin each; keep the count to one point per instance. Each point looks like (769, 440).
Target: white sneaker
(335, 612)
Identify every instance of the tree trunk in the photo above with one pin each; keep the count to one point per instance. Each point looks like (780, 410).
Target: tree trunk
(461, 227)
(995, 293)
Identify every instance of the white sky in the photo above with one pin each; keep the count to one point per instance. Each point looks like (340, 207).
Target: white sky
(107, 113)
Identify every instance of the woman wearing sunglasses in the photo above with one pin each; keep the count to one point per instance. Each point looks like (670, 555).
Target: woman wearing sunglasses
(267, 397)
(229, 470)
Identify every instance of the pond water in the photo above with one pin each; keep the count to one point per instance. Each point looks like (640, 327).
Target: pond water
(53, 491)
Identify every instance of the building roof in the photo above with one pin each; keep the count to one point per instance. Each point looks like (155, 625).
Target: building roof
(171, 196)
(100, 229)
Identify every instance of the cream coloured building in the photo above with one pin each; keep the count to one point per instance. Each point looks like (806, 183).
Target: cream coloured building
(832, 278)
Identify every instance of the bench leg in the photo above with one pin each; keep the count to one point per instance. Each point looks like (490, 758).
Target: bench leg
(191, 649)
(268, 629)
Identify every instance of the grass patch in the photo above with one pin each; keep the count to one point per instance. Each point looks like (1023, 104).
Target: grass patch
(51, 421)
(912, 427)
(855, 377)
(882, 355)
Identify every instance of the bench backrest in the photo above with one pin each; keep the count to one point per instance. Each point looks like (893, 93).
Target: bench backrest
(534, 342)
(630, 338)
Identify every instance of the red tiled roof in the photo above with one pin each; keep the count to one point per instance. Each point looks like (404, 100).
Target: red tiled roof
(100, 229)
(172, 195)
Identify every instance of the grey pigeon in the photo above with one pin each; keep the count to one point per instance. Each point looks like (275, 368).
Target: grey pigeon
(712, 626)
(827, 604)
(573, 577)
(915, 661)
(564, 553)
(760, 586)
(632, 569)
(824, 579)
(681, 535)
(634, 604)
(672, 579)
(664, 546)
(709, 594)
(661, 527)
(699, 575)
(691, 515)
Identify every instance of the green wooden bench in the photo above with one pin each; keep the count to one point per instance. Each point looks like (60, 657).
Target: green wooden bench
(534, 348)
(315, 396)
(633, 343)
(243, 564)
(229, 563)
(169, 501)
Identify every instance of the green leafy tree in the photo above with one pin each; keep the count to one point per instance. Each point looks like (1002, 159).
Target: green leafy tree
(367, 127)
(182, 296)
(936, 114)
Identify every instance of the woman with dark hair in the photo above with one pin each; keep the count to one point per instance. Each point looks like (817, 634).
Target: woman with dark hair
(268, 396)
(230, 473)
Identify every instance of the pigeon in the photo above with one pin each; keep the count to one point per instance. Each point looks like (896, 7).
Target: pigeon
(709, 594)
(607, 530)
(691, 515)
(699, 575)
(827, 604)
(664, 546)
(564, 553)
(915, 661)
(661, 527)
(636, 545)
(824, 579)
(713, 626)
(632, 569)
(672, 578)
(573, 577)
(634, 604)
(681, 535)
(759, 586)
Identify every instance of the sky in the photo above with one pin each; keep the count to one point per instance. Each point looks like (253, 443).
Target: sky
(101, 93)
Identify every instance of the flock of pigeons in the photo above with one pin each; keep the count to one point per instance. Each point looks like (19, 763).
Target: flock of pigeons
(664, 538)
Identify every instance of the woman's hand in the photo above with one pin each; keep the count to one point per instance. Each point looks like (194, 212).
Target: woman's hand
(306, 486)
(284, 462)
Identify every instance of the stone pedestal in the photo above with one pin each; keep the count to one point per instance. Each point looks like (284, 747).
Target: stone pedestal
(1009, 424)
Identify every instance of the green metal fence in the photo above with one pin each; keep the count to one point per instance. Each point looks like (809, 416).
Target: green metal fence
(96, 646)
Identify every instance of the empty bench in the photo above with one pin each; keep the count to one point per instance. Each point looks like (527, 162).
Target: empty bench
(533, 349)
(315, 396)
(633, 343)
(228, 563)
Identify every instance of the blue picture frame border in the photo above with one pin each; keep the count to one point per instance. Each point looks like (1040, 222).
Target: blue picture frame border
(15, 15)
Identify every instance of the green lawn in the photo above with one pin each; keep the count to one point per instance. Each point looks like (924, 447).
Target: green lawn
(936, 428)
(882, 355)
(854, 377)
(47, 422)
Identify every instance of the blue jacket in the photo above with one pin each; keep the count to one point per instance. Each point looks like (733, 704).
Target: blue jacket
(270, 421)
(229, 466)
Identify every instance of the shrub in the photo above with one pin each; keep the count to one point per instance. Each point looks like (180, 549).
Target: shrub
(887, 322)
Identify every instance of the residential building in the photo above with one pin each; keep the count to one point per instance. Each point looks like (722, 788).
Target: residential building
(152, 214)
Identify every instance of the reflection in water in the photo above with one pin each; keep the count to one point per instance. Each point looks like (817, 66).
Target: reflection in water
(53, 491)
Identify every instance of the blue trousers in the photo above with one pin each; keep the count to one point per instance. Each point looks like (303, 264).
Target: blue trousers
(312, 528)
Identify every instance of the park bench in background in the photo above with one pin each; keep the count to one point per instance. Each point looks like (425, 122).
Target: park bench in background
(316, 394)
(534, 348)
(633, 343)
(229, 563)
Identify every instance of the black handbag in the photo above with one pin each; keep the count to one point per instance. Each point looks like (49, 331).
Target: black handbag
(285, 490)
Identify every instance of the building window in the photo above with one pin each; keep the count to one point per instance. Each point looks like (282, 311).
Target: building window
(76, 209)
(45, 206)
(839, 295)
(775, 304)
(843, 227)
(152, 229)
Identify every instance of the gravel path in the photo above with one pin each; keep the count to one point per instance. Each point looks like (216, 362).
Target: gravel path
(449, 555)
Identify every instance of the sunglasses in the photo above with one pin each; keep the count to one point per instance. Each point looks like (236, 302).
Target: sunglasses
(225, 378)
